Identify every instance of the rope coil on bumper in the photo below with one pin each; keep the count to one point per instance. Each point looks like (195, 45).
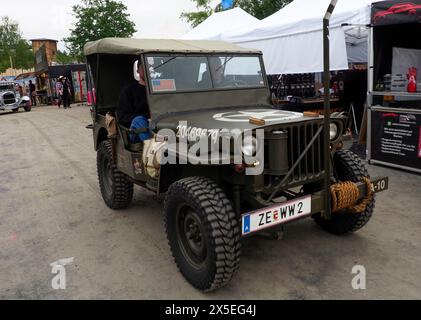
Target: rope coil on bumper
(345, 196)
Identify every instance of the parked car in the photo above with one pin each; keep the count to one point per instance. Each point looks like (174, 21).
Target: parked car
(10, 98)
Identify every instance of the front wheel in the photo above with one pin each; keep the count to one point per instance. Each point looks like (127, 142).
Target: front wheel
(116, 188)
(15, 110)
(349, 167)
(27, 108)
(203, 232)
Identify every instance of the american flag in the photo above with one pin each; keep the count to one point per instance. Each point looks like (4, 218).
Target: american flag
(163, 85)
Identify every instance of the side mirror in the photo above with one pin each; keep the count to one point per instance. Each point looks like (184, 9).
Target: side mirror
(135, 73)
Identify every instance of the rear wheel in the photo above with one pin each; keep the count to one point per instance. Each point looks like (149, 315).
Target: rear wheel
(116, 188)
(15, 110)
(203, 232)
(27, 108)
(349, 167)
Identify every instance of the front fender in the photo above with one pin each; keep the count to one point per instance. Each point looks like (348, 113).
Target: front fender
(23, 101)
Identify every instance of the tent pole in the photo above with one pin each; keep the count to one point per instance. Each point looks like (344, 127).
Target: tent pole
(326, 62)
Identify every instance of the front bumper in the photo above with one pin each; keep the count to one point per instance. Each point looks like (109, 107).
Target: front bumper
(20, 104)
(308, 205)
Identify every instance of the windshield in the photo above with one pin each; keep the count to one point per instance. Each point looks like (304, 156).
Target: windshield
(202, 73)
(4, 87)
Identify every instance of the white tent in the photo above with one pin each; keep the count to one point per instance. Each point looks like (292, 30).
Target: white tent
(220, 22)
(292, 38)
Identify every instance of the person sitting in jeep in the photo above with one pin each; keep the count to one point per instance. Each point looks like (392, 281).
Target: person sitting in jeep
(133, 110)
(217, 69)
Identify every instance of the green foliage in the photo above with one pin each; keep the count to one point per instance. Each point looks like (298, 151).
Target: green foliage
(24, 57)
(257, 8)
(13, 46)
(97, 19)
(262, 8)
(64, 57)
(9, 33)
(196, 18)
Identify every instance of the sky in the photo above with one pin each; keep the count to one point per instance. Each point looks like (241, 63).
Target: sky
(53, 18)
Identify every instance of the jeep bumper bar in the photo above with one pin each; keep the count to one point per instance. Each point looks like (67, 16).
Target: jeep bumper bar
(276, 215)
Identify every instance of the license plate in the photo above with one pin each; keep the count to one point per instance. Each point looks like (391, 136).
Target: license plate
(276, 214)
(380, 184)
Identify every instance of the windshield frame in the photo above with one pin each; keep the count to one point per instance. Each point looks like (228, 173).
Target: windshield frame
(207, 56)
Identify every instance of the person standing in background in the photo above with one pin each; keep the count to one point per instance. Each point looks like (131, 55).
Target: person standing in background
(32, 93)
(20, 88)
(24, 88)
(66, 93)
(59, 90)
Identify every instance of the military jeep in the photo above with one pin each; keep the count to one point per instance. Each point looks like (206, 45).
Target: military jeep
(202, 90)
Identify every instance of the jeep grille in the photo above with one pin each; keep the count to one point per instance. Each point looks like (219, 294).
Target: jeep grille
(311, 167)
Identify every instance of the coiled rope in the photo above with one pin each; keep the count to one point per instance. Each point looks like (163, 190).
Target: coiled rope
(345, 196)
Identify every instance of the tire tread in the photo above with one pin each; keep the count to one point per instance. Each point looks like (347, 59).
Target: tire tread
(122, 186)
(220, 222)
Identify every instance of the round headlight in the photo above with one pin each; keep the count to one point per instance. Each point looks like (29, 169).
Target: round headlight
(333, 131)
(249, 147)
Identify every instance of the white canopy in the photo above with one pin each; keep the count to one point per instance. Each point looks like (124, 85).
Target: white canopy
(292, 38)
(220, 22)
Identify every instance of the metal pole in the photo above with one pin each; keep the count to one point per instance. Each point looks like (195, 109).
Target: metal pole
(326, 60)
(370, 87)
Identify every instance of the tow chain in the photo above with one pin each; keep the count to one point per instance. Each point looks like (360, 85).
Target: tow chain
(345, 194)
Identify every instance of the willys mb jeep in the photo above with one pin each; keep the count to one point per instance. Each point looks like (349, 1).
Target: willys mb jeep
(10, 98)
(205, 90)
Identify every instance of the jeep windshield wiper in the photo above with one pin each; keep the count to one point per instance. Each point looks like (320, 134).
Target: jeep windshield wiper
(160, 65)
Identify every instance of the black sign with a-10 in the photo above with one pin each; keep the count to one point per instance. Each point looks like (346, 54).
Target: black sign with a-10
(380, 184)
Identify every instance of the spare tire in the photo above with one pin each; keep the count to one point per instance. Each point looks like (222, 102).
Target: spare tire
(349, 167)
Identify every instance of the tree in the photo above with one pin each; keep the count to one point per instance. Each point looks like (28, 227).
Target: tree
(13, 46)
(262, 8)
(196, 18)
(63, 57)
(257, 8)
(97, 19)
(24, 57)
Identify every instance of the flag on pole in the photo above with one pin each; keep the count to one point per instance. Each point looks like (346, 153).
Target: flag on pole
(227, 4)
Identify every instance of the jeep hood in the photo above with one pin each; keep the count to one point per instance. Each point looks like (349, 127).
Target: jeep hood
(230, 118)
